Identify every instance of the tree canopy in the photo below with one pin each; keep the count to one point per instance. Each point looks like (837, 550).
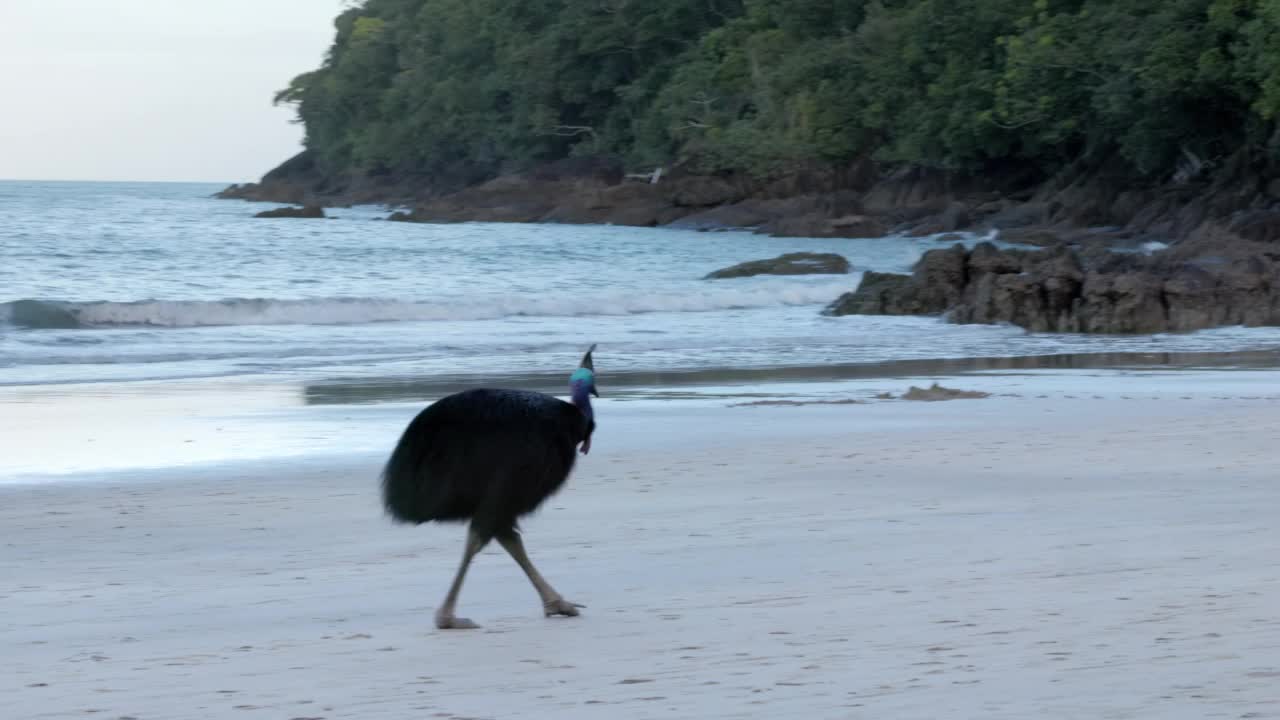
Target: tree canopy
(483, 86)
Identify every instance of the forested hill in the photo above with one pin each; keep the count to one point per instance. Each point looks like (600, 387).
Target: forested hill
(471, 88)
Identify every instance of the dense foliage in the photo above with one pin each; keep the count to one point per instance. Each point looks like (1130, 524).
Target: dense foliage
(486, 85)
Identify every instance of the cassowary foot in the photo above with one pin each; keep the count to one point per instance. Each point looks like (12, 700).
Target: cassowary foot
(560, 606)
(447, 621)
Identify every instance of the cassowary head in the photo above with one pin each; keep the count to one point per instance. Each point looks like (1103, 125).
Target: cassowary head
(582, 385)
(583, 380)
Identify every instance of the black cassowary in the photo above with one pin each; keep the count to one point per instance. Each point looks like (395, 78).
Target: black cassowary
(490, 456)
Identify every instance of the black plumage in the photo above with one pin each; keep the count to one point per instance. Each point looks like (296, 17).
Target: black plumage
(490, 456)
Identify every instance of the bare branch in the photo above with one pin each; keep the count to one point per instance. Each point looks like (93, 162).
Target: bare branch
(703, 99)
(1190, 166)
(571, 131)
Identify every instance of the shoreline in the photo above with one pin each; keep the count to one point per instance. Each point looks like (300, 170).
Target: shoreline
(644, 384)
(72, 433)
(1008, 557)
(319, 389)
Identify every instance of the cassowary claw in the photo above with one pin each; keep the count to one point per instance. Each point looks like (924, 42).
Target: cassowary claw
(560, 606)
(450, 622)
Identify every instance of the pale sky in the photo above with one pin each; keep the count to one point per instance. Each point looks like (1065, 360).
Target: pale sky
(153, 89)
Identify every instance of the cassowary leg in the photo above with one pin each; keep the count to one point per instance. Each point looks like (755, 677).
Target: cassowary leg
(445, 619)
(552, 603)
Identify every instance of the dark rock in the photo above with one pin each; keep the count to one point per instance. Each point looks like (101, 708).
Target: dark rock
(1191, 294)
(632, 204)
(818, 225)
(702, 191)
(289, 182)
(936, 393)
(857, 226)
(604, 169)
(940, 277)
(954, 217)
(1060, 290)
(1122, 302)
(799, 263)
(878, 294)
(988, 208)
(1091, 207)
(743, 215)
(1245, 293)
(400, 216)
(1037, 236)
(808, 225)
(1013, 297)
(911, 187)
(554, 197)
(306, 211)
(1011, 217)
(1257, 225)
(986, 258)
(1061, 279)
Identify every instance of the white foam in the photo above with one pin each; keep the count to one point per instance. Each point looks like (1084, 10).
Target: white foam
(335, 311)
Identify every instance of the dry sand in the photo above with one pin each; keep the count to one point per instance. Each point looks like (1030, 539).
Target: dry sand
(1008, 558)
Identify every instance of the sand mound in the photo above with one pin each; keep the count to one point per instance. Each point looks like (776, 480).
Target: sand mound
(936, 392)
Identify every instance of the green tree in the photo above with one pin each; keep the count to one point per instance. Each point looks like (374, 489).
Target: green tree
(469, 88)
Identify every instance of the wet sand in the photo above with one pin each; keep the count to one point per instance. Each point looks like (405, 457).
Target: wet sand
(1048, 551)
(88, 429)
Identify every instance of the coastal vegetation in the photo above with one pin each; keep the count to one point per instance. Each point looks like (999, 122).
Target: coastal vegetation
(469, 89)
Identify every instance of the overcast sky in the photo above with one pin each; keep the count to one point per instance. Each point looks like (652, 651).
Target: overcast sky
(152, 89)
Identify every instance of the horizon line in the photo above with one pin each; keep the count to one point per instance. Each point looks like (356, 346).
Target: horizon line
(121, 181)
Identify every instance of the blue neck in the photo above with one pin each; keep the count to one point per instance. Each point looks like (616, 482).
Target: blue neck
(582, 399)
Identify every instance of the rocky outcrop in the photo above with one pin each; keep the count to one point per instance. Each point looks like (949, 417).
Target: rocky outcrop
(303, 180)
(763, 215)
(306, 211)
(797, 263)
(880, 294)
(1063, 290)
(293, 181)
(817, 224)
(564, 192)
(1085, 206)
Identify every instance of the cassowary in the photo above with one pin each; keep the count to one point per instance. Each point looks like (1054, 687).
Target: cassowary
(490, 456)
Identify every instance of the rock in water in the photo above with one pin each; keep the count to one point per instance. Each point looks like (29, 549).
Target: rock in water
(799, 263)
(306, 211)
(878, 294)
(1059, 290)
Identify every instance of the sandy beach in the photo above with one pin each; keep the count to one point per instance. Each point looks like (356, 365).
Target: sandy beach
(927, 355)
(1037, 554)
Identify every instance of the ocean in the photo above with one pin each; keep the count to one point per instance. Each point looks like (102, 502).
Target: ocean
(108, 282)
(111, 293)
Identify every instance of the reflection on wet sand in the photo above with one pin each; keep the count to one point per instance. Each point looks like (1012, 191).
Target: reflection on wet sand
(681, 384)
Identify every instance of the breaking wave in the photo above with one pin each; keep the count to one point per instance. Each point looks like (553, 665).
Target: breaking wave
(56, 314)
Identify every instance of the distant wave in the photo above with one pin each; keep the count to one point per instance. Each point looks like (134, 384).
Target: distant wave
(56, 314)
